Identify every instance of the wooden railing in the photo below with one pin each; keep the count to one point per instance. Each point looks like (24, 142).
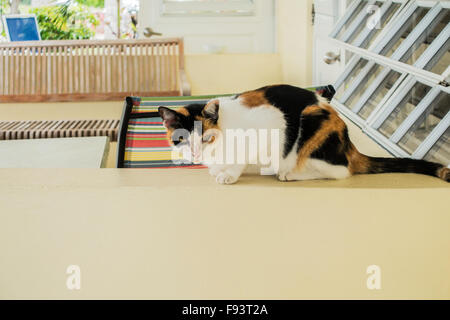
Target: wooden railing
(91, 70)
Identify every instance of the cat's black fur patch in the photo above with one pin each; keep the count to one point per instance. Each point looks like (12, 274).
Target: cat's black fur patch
(291, 101)
(309, 124)
(331, 151)
(187, 122)
(405, 165)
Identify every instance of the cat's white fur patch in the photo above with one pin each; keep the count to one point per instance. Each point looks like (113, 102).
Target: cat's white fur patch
(235, 116)
(288, 164)
(318, 169)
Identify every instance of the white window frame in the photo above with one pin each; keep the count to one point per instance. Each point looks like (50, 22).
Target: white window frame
(409, 74)
(202, 8)
(374, 122)
(362, 15)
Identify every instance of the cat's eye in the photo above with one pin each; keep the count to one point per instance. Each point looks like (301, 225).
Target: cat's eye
(178, 141)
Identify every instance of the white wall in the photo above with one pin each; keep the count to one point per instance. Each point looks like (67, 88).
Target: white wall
(294, 39)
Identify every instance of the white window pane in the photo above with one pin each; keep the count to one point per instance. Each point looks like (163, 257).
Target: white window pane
(426, 123)
(408, 103)
(352, 18)
(405, 31)
(363, 24)
(441, 60)
(380, 92)
(441, 150)
(367, 81)
(430, 34)
(349, 80)
(374, 32)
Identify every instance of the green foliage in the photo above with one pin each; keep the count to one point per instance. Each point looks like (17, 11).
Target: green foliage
(4, 6)
(75, 22)
(92, 3)
(4, 9)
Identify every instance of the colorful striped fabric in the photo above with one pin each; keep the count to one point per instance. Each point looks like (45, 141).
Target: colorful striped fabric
(142, 139)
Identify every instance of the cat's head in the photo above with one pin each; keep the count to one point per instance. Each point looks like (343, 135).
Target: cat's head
(194, 122)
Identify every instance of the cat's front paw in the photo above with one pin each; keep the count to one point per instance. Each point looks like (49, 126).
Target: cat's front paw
(283, 175)
(226, 178)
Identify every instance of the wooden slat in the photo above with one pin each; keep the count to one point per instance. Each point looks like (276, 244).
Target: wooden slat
(119, 68)
(38, 77)
(140, 73)
(32, 79)
(87, 75)
(5, 52)
(65, 73)
(16, 71)
(97, 69)
(59, 70)
(2, 71)
(10, 130)
(158, 66)
(54, 70)
(44, 73)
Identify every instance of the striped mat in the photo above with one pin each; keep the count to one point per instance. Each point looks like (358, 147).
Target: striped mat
(40, 129)
(142, 139)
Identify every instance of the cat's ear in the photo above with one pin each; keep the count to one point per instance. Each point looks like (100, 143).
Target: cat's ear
(211, 110)
(169, 116)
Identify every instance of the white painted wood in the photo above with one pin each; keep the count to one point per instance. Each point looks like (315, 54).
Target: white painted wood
(326, 16)
(209, 32)
(83, 152)
(432, 138)
(327, 7)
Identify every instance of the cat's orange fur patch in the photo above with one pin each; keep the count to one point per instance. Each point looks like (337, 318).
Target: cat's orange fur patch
(332, 124)
(169, 133)
(206, 123)
(357, 162)
(444, 174)
(183, 111)
(254, 98)
(210, 104)
(312, 110)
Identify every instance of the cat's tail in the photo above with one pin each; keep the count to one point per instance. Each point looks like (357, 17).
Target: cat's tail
(361, 164)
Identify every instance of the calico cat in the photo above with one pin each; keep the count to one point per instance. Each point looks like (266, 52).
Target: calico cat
(313, 141)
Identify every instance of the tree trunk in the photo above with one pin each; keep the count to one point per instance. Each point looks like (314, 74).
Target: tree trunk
(14, 7)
